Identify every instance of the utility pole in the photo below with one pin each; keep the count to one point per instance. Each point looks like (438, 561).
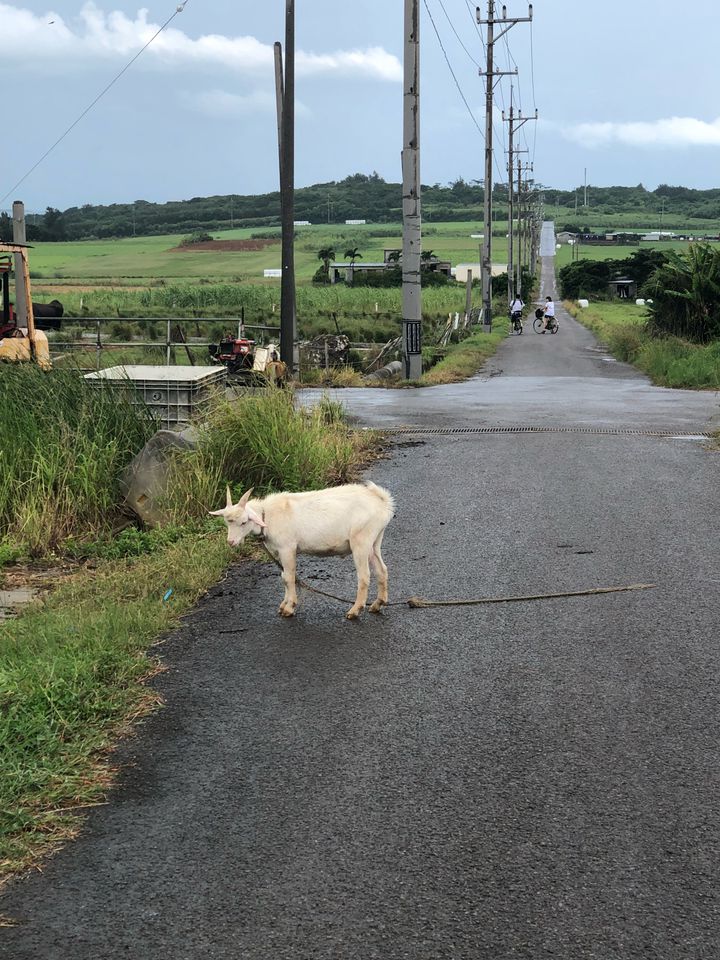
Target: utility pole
(491, 75)
(285, 95)
(411, 284)
(523, 232)
(585, 194)
(514, 123)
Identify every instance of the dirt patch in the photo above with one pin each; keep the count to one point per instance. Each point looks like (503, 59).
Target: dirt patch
(48, 287)
(227, 246)
(21, 584)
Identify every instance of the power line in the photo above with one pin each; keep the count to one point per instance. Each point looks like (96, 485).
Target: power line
(447, 61)
(452, 27)
(179, 9)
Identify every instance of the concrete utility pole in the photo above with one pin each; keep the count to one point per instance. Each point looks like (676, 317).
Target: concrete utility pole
(514, 123)
(285, 93)
(491, 75)
(412, 241)
(523, 232)
(585, 194)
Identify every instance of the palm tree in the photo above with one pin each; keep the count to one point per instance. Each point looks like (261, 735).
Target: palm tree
(326, 255)
(353, 254)
(427, 255)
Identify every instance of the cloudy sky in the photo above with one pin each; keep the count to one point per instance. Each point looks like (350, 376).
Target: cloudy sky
(624, 88)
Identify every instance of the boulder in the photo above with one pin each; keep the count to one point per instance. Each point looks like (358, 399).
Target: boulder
(144, 481)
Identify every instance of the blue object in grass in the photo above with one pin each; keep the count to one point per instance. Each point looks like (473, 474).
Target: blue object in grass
(168, 595)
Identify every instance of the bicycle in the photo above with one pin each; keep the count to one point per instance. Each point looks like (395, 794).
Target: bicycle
(516, 322)
(539, 323)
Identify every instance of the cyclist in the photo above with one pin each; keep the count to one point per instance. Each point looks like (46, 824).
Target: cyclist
(516, 309)
(549, 313)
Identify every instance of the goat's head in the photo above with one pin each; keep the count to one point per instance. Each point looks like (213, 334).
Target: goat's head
(240, 518)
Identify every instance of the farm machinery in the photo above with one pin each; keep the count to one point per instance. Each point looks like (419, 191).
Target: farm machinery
(247, 361)
(21, 343)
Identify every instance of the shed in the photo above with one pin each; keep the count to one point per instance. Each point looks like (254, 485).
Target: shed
(623, 288)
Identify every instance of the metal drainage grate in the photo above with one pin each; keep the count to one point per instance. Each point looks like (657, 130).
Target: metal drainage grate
(597, 431)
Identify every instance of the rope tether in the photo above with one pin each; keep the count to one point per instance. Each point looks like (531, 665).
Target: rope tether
(416, 603)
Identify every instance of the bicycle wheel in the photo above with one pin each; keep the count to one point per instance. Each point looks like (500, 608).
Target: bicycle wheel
(555, 327)
(539, 324)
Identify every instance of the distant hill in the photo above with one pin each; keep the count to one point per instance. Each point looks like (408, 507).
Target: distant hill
(356, 197)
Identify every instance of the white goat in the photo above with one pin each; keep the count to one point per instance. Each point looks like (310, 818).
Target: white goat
(333, 522)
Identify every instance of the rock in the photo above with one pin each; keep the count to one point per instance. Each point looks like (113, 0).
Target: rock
(144, 481)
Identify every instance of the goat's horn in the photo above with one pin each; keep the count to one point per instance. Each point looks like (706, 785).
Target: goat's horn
(229, 497)
(245, 497)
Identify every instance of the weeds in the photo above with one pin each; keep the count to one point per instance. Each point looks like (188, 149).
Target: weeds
(464, 359)
(62, 447)
(668, 361)
(70, 672)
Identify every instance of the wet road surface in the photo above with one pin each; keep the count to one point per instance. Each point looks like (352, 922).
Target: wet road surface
(535, 780)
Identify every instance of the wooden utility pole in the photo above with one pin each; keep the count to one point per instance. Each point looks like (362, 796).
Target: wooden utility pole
(412, 239)
(285, 90)
(491, 75)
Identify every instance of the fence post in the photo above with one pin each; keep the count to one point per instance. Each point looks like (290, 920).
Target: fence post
(98, 348)
(168, 344)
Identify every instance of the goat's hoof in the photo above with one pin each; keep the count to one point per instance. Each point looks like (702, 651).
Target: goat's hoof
(353, 613)
(288, 612)
(377, 606)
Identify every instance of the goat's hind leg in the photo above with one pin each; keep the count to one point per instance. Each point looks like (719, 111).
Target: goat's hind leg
(288, 559)
(361, 550)
(381, 572)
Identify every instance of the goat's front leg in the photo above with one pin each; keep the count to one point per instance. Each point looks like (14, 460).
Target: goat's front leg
(288, 559)
(361, 556)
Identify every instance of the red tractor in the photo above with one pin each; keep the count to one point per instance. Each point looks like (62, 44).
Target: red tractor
(237, 354)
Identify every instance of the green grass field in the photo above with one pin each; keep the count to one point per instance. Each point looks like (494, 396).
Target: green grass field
(152, 258)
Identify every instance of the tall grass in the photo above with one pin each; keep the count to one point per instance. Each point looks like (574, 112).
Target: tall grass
(668, 361)
(262, 441)
(62, 447)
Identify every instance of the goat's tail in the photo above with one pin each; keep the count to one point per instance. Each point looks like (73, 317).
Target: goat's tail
(384, 495)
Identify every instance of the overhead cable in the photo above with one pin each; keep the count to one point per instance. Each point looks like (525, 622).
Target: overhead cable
(178, 9)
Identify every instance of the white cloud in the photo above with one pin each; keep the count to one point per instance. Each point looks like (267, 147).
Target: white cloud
(671, 132)
(101, 35)
(220, 103)
(374, 62)
(224, 105)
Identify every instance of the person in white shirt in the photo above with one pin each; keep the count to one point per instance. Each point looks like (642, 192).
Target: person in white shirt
(549, 312)
(516, 306)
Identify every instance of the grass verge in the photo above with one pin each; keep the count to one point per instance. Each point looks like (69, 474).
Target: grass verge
(668, 361)
(72, 666)
(464, 359)
(71, 672)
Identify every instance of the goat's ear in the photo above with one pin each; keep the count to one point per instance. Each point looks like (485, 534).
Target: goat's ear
(229, 497)
(217, 513)
(242, 502)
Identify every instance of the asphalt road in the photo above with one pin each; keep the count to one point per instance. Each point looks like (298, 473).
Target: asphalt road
(531, 780)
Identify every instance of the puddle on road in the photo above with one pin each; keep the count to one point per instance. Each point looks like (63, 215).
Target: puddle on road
(11, 601)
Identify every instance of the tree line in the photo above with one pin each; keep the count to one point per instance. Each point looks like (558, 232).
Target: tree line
(359, 196)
